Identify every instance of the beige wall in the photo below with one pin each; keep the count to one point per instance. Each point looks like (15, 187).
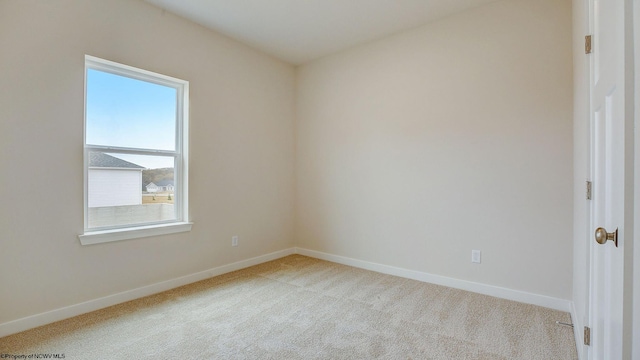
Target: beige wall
(242, 142)
(415, 149)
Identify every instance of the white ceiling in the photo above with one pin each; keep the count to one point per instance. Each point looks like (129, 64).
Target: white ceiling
(299, 31)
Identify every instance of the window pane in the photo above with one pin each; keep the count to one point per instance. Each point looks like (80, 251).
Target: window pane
(131, 113)
(130, 189)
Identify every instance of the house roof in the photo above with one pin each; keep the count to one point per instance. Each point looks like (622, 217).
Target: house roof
(102, 160)
(160, 183)
(164, 182)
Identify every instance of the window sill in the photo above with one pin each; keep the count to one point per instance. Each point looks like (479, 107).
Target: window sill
(97, 237)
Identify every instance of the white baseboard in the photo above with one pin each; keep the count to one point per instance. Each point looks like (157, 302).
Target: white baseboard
(48, 317)
(496, 291)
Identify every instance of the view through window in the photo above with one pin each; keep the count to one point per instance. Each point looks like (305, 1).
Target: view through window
(134, 155)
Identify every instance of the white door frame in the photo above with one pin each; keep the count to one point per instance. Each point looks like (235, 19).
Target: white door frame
(631, 341)
(636, 251)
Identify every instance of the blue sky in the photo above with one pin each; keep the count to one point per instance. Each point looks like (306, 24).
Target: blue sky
(131, 113)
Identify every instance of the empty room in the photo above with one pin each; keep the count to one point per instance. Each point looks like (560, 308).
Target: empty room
(322, 179)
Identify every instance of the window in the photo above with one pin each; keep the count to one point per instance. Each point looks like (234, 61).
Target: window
(135, 153)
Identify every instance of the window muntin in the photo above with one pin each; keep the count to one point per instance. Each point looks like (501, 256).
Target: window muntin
(135, 127)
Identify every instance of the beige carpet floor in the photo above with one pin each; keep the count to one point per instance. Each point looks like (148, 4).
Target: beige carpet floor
(303, 308)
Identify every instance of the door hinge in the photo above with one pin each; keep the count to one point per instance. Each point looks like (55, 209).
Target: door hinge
(587, 44)
(589, 190)
(587, 335)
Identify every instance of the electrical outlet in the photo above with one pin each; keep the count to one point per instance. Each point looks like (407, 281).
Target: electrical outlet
(234, 240)
(475, 256)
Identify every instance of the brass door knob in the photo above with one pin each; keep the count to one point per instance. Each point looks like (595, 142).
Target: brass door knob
(602, 236)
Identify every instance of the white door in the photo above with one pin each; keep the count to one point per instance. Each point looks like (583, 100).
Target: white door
(608, 167)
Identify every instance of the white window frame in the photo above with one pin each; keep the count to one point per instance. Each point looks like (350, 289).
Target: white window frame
(180, 154)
